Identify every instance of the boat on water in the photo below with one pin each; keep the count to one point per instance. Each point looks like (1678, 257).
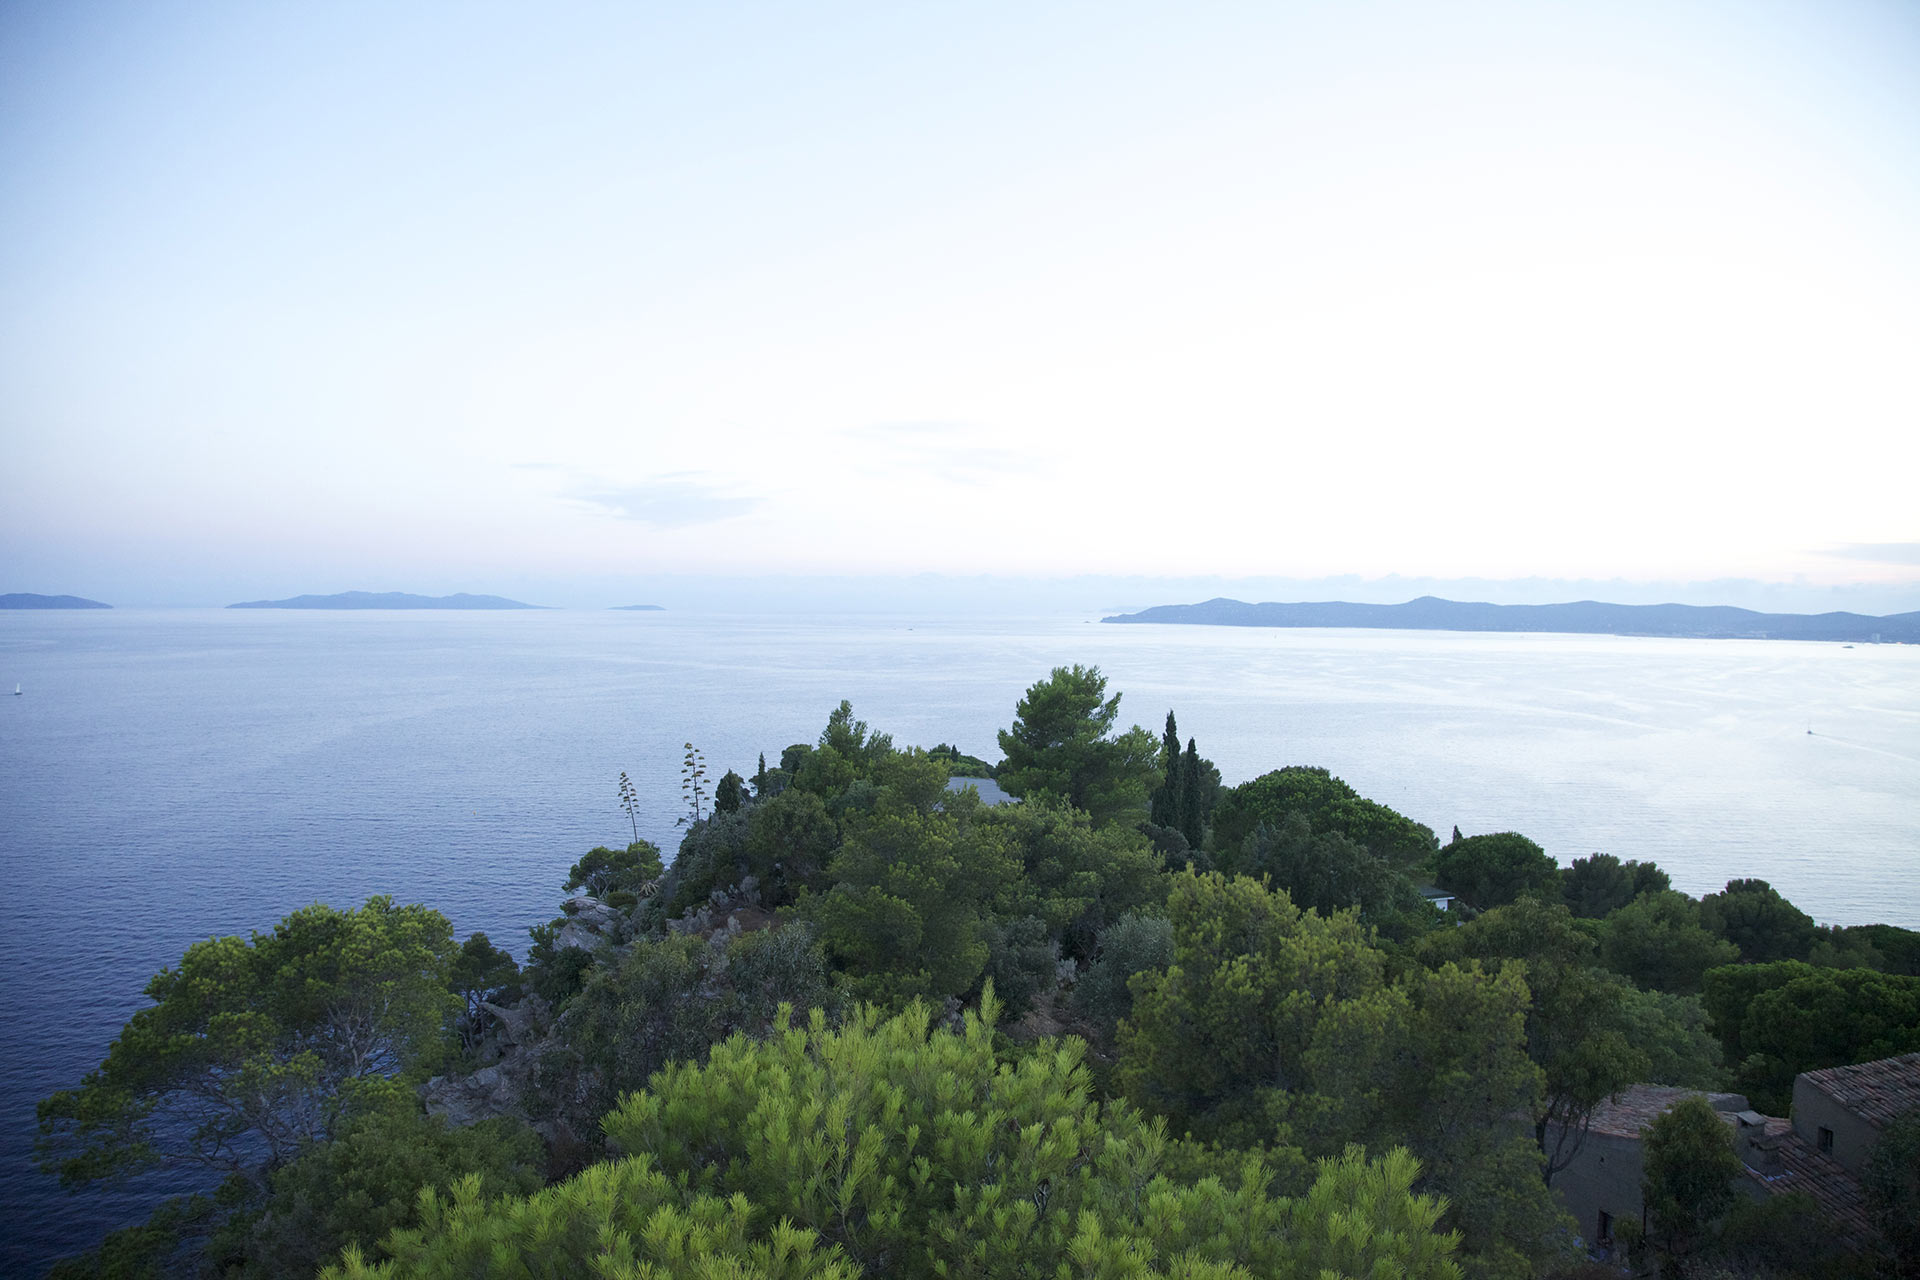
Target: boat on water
(16, 688)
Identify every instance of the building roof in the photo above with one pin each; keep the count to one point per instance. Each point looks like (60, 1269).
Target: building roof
(1802, 1168)
(1875, 1091)
(1635, 1108)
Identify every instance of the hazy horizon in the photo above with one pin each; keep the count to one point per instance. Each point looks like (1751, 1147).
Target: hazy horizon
(559, 304)
(1090, 594)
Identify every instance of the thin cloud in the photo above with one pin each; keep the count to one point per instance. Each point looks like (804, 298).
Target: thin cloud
(951, 451)
(1878, 552)
(667, 502)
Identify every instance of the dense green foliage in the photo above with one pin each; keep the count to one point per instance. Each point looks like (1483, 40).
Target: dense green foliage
(1891, 1181)
(1689, 1171)
(1277, 1024)
(1579, 1031)
(602, 871)
(1328, 872)
(666, 1000)
(1136, 943)
(1328, 805)
(1061, 744)
(1659, 942)
(365, 1183)
(1493, 870)
(1777, 1020)
(1596, 886)
(1753, 916)
(886, 1148)
(251, 1049)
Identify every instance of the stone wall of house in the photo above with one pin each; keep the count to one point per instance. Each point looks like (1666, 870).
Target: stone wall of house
(1853, 1136)
(1603, 1179)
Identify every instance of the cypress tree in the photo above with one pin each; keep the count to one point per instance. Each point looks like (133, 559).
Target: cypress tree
(1193, 821)
(1165, 808)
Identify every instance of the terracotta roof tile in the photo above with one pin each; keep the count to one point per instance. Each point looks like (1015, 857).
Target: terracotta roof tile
(1804, 1169)
(1877, 1091)
(1635, 1108)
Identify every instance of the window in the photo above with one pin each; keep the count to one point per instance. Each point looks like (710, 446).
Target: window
(1606, 1226)
(1826, 1141)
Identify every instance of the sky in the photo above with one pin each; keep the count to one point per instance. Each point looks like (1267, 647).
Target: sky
(590, 302)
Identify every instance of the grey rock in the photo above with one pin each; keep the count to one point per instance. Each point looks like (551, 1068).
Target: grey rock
(522, 1023)
(575, 934)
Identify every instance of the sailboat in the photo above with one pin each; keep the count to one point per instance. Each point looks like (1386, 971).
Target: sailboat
(16, 688)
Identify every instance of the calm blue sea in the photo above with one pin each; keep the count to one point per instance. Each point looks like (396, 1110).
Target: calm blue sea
(173, 775)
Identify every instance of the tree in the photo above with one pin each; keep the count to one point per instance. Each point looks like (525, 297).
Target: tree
(366, 1183)
(911, 898)
(1135, 943)
(1577, 1024)
(1688, 1184)
(1891, 1180)
(1327, 872)
(846, 753)
(1493, 870)
(1672, 1032)
(479, 973)
(1597, 886)
(664, 1000)
(728, 796)
(885, 1147)
(602, 871)
(1059, 745)
(1273, 1023)
(1753, 916)
(1073, 877)
(1218, 1040)
(790, 840)
(1193, 815)
(1165, 809)
(1328, 804)
(251, 1050)
(1777, 1020)
(1657, 940)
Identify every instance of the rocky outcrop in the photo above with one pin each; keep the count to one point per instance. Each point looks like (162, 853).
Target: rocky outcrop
(520, 1034)
(727, 913)
(591, 923)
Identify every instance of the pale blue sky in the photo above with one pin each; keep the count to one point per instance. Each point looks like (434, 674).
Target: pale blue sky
(569, 298)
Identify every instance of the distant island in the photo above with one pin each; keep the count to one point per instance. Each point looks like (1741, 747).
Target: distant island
(386, 600)
(1585, 617)
(28, 600)
(640, 608)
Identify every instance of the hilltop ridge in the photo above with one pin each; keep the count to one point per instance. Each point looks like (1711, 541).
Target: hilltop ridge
(386, 600)
(1582, 617)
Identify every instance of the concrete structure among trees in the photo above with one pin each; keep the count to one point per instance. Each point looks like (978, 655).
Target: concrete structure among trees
(1838, 1115)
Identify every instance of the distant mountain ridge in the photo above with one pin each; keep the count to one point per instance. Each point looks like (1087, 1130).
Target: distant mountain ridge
(1583, 617)
(386, 600)
(28, 600)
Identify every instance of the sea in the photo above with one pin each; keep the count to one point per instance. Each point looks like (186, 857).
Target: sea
(173, 775)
